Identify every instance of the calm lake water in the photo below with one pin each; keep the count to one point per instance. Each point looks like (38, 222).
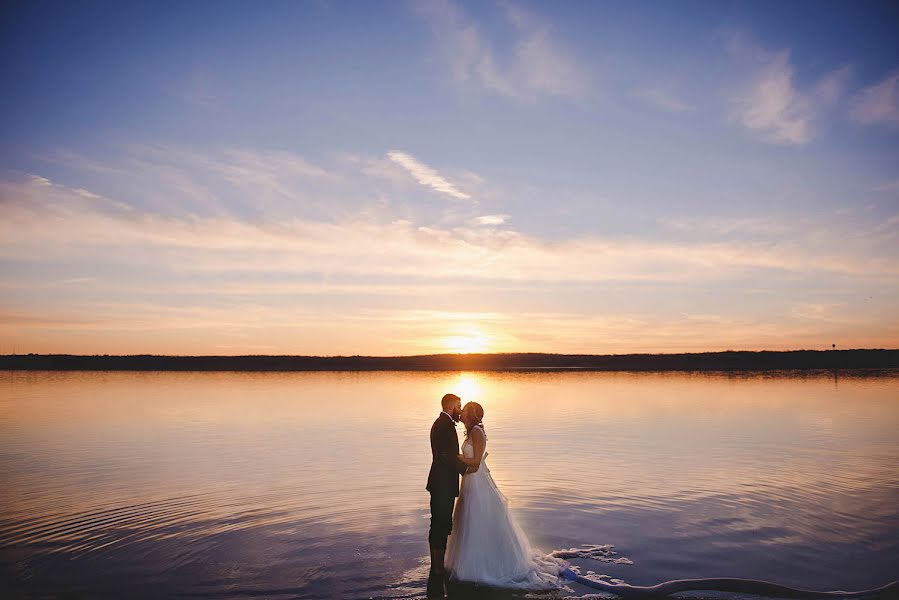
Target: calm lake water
(311, 485)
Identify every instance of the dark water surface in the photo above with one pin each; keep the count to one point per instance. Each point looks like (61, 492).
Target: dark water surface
(311, 485)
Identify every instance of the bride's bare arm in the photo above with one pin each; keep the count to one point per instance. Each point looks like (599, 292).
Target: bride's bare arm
(479, 442)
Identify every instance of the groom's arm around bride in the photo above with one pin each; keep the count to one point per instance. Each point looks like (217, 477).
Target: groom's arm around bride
(445, 441)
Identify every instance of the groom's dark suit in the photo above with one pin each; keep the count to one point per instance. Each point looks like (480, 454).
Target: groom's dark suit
(443, 480)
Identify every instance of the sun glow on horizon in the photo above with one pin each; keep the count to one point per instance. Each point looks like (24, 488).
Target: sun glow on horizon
(470, 342)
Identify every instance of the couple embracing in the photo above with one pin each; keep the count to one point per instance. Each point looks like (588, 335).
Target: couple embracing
(475, 539)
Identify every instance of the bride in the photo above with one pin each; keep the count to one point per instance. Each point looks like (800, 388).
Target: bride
(487, 546)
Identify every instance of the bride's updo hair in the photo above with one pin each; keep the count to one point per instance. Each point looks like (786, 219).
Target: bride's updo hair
(478, 411)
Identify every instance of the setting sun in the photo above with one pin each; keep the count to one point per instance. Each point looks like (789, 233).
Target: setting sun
(465, 344)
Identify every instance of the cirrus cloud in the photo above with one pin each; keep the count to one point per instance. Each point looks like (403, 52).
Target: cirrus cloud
(878, 103)
(537, 64)
(426, 175)
(771, 104)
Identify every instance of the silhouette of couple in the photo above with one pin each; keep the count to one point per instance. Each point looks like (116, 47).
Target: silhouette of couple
(475, 539)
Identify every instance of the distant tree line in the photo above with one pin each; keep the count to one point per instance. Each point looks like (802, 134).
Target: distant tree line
(704, 361)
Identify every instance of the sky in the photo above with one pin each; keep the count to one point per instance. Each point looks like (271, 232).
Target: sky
(392, 178)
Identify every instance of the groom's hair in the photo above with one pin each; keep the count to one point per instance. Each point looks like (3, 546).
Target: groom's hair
(448, 400)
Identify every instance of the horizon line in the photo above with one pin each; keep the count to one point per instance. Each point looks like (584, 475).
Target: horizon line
(727, 361)
(446, 354)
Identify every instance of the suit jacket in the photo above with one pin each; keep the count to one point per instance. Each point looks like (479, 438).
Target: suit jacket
(445, 464)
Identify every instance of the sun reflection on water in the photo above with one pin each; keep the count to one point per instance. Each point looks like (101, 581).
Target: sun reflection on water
(468, 387)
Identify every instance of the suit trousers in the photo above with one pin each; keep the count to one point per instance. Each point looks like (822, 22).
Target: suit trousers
(441, 519)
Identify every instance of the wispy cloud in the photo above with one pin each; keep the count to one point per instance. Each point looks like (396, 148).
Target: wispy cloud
(771, 104)
(50, 222)
(774, 107)
(168, 178)
(426, 175)
(817, 311)
(536, 64)
(878, 103)
(831, 88)
(491, 219)
(765, 227)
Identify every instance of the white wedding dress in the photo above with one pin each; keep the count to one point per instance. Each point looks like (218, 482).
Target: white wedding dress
(487, 546)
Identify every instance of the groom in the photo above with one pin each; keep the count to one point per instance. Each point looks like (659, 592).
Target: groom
(443, 483)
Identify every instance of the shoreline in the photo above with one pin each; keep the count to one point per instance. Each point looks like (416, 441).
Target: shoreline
(728, 361)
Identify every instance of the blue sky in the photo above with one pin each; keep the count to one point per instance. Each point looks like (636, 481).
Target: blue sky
(393, 178)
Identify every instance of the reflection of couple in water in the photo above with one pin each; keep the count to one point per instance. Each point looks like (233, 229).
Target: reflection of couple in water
(480, 543)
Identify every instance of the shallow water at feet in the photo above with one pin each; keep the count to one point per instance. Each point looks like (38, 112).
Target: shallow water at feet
(311, 485)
